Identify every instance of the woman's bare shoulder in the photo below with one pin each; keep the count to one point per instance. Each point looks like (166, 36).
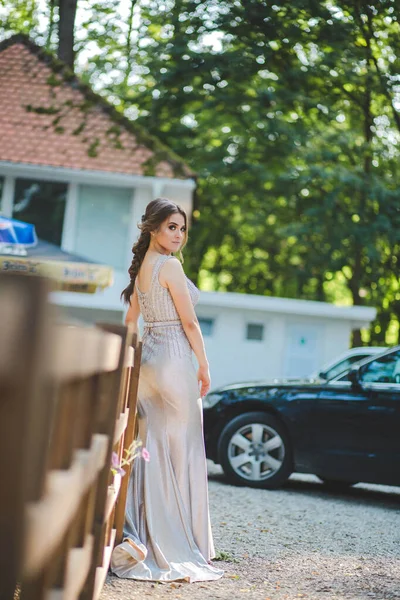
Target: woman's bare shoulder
(172, 268)
(172, 264)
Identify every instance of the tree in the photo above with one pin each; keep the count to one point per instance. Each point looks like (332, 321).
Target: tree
(21, 16)
(66, 24)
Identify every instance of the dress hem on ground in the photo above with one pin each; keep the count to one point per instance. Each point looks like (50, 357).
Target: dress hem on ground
(127, 563)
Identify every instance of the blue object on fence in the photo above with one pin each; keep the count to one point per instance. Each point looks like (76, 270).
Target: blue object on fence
(13, 232)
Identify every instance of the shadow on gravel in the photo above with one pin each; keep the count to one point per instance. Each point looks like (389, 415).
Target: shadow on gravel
(384, 496)
(359, 495)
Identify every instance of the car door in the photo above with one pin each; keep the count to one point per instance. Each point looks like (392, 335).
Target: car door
(358, 425)
(380, 380)
(296, 405)
(340, 420)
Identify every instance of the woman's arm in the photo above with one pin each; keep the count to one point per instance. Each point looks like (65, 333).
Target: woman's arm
(173, 277)
(133, 313)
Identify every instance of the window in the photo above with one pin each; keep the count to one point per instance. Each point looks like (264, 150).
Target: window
(343, 366)
(206, 326)
(385, 369)
(102, 228)
(255, 331)
(41, 203)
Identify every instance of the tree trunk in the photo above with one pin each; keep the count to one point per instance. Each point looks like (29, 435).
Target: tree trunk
(51, 25)
(354, 286)
(66, 26)
(128, 50)
(356, 340)
(320, 292)
(356, 280)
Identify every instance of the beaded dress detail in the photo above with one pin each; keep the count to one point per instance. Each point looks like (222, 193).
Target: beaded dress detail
(167, 533)
(163, 331)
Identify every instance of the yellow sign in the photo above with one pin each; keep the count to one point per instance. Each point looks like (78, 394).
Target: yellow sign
(67, 276)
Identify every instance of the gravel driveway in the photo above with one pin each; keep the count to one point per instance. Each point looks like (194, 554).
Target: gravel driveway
(297, 542)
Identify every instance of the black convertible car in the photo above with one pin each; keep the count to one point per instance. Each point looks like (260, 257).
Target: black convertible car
(346, 430)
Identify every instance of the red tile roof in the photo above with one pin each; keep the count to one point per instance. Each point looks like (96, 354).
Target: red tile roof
(49, 117)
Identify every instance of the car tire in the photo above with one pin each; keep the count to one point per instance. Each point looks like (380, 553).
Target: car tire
(336, 485)
(246, 457)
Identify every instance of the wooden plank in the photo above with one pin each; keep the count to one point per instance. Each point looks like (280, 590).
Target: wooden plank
(78, 565)
(119, 517)
(101, 572)
(126, 334)
(112, 495)
(47, 520)
(94, 459)
(23, 413)
(120, 426)
(84, 351)
(112, 390)
(130, 357)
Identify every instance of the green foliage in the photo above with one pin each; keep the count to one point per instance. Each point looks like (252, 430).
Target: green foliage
(289, 114)
(224, 556)
(19, 16)
(92, 151)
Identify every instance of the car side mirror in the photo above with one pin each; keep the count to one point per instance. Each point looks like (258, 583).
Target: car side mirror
(354, 376)
(322, 374)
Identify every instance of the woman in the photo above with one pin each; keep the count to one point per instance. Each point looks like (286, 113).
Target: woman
(167, 535)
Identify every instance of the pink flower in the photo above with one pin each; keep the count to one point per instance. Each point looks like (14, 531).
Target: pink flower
(115, 465)
(115, 460)
(145, 454)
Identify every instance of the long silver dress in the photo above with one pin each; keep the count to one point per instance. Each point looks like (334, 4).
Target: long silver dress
(167, 534)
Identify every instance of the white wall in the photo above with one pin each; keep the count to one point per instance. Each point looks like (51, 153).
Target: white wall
(337, 338)
(180, 195)
(233, 358)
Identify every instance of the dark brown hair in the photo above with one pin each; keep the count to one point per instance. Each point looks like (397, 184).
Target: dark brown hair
(157, 211)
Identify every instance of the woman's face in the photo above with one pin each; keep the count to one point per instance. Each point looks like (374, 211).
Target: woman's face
(172, 233)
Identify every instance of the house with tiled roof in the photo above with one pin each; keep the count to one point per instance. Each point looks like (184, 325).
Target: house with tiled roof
(77, 169)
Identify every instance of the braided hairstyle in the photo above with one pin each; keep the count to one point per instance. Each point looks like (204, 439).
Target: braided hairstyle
(157, 211)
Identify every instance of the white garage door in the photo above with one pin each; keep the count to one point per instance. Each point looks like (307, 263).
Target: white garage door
(302, 349)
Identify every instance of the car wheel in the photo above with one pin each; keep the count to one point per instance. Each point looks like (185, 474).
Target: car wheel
(336, 485)
(254, 450)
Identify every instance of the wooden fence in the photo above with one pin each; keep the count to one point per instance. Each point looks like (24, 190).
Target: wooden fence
(67, 401)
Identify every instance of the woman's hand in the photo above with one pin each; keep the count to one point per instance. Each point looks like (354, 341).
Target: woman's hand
(203, 376)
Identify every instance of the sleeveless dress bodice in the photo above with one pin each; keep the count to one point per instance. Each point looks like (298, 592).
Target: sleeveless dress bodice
(163, 331)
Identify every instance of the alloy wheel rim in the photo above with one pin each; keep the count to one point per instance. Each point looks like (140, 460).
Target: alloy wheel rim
(256, 452)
